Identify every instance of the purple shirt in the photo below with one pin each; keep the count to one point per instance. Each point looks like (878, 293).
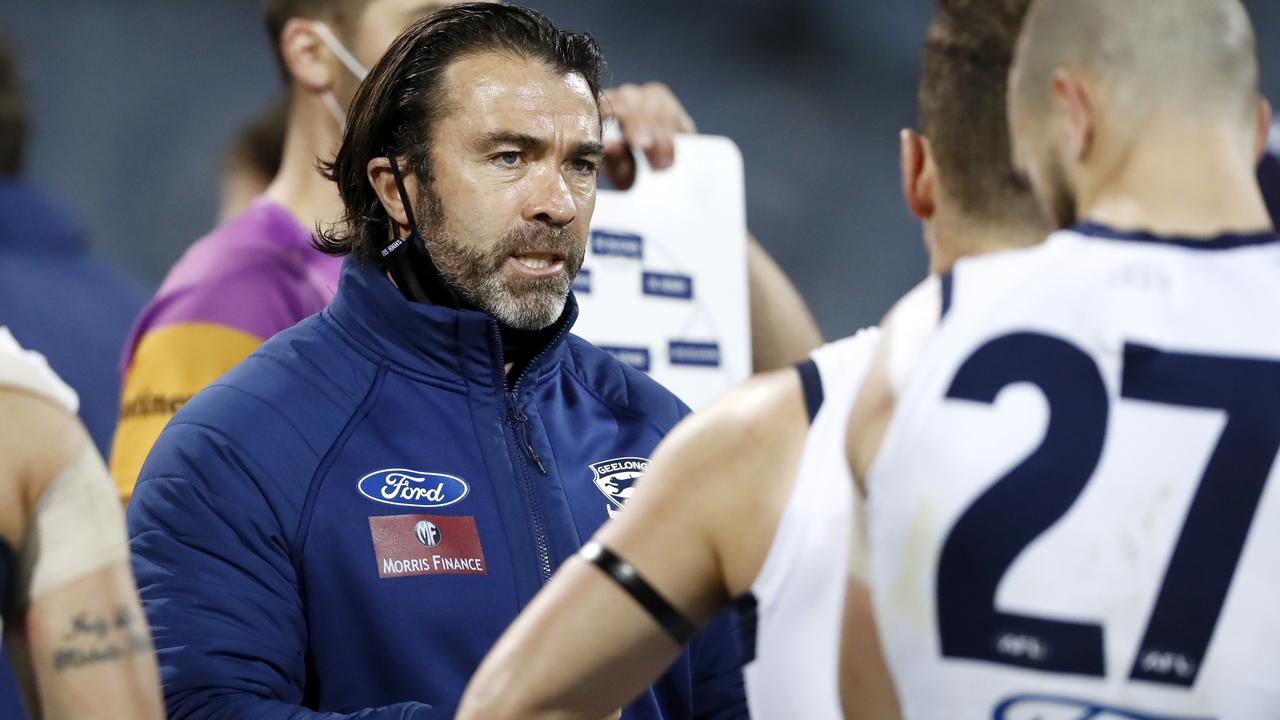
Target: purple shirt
(257, 273)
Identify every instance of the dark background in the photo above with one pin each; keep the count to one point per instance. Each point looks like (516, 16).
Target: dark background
(134, 102)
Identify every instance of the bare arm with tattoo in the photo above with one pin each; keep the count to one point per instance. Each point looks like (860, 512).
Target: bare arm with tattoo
(74, 629)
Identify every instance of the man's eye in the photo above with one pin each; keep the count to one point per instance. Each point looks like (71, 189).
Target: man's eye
(511, 158)
(586, 167)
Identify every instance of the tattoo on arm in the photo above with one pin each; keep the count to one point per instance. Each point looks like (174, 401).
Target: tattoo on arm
(94, 638)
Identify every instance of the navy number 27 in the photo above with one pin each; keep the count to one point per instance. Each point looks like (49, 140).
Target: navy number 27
(1024, 503)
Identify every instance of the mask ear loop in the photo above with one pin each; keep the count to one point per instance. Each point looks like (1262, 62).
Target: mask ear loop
(408, 260)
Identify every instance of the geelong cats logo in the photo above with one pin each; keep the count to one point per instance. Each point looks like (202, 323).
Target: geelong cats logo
(616, 477)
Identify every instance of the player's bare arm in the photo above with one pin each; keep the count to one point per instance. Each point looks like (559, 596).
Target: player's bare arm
(78, 640)
(697, 532)
(866, 686)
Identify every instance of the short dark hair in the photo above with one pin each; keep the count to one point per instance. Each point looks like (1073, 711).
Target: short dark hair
(13, 113)
(258, 145)
(400, 101)
(341, 13)
(963, 79)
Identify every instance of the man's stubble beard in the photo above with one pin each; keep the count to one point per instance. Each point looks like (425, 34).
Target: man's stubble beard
(477, 275)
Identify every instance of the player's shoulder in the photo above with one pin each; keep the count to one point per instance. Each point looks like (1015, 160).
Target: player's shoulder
(49, 434)
(28, 371)
(748, 418)
(838, 357)
(621, 386)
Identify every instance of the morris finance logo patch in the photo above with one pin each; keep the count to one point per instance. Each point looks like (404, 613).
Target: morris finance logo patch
(407, 545)
(615, 478)
(412, 488)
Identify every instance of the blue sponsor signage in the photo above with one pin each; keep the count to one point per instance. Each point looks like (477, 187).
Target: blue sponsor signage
(668, 285)
(582, 283)
(702, 354)
(636, 357)
(412, 488)
(617, 244)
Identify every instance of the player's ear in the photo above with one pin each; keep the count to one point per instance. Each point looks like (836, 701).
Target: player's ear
(1262, 131)
(306, 56)
(384, 183)
(917, 174)
(1072, 99)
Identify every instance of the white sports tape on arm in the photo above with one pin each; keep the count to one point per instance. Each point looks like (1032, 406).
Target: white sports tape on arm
(77, 527)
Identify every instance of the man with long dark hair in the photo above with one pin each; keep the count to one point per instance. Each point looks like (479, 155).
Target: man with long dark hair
(257, 274)
(353, 515)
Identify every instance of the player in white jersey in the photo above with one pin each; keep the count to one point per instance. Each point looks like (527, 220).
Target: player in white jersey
(1072, 475)
(749, 501)
(74, 631)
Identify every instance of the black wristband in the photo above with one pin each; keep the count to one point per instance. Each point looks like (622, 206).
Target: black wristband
(675, 624)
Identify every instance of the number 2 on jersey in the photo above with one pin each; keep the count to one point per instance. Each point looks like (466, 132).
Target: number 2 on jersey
(1024, 503)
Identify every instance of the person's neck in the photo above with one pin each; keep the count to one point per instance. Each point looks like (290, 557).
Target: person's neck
(299, 187)
(1179, 182)
(955, 237)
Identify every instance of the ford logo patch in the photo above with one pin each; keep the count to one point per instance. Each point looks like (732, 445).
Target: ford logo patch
(412, 488)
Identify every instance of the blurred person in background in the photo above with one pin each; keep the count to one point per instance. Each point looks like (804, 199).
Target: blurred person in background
(73, 628)
(258, 274)
(753, 494)
(347, 520)
(71, 307)
(253, 159)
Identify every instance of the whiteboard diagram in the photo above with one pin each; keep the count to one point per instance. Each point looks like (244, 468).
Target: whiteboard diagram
(664, 285)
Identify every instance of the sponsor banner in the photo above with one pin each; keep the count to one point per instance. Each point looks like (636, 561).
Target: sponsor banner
(701, 354)
(617, 244)
(667, 285)
(582, 283)
(408, 545)
(412, 488)
(636, 357)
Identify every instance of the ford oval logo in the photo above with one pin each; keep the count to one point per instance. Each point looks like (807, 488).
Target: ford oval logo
(412, 488)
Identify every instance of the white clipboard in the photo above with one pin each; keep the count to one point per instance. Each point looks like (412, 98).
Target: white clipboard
(664, 284)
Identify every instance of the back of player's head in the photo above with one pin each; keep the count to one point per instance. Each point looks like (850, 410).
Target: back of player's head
(964, 74)
(341, 14)
(13, 113)
(1192, 60)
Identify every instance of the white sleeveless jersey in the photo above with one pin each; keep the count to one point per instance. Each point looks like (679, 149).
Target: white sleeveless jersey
(799, 594)
(1075, 512)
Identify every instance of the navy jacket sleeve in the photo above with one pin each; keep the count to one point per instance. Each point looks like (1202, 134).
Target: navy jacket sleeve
(212, 555)
(715, 657)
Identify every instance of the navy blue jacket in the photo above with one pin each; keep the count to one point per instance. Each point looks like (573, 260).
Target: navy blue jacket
(57, 299)
(349, 519)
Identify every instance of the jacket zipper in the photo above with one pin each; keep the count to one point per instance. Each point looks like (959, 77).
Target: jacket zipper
(517, 418)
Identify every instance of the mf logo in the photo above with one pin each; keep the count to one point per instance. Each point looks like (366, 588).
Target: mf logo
(615, 479)
(427, 533)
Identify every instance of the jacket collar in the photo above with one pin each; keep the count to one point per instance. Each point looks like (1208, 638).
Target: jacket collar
(35, 221)
(446, 343)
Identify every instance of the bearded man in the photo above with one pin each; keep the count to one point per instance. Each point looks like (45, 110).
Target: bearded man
(345, 522)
